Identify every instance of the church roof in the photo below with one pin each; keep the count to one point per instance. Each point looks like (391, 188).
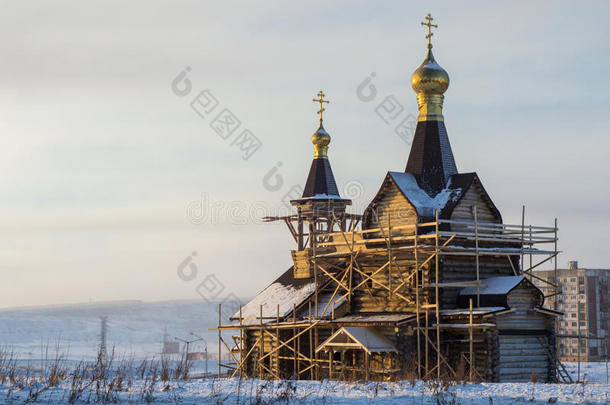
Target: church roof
(286, 291)
(320, 181)
(425, 205)
(444, 201)
(494, 290)
(494, 285)
(349, 337)
(431, 159)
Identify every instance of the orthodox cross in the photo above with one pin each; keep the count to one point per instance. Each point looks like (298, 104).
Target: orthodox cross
(321, 100)
(430, 26)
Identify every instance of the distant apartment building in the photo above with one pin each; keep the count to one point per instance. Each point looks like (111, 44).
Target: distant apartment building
(584, 302)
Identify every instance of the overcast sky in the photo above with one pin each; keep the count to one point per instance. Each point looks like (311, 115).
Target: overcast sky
(110, 180)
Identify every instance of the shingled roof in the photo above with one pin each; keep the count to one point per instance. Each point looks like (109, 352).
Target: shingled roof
(431, 159)
(495, 290)
(444, 201)
(286, 291)
(320, 181)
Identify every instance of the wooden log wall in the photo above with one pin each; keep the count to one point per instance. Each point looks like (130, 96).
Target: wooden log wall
(456, 268)
(474, 197)
(393, 204)
(374, 298)
(455, 345)
(269, 343)
(524, 296)
(526, 342)
(520, 356)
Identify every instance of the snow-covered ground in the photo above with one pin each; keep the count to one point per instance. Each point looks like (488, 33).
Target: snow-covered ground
(140, 388)
(589, 372)
(137, 328)
(233, 391)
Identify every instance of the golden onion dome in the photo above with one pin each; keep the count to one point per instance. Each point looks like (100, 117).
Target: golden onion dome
(430, 81)
(320, 140)
(430, 77)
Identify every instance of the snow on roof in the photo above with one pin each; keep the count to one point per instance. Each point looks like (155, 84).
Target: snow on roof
(373, 318)
(323, 300)
(549, 311)
(495, 249)
(286, 296)
(425, 205)
(494, 286)
(475, 311)
(367, 338)
(324, 197)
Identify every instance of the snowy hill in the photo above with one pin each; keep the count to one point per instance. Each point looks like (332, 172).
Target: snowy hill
(134, 327)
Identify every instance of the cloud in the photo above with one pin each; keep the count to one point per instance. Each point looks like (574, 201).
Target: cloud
(100, 159)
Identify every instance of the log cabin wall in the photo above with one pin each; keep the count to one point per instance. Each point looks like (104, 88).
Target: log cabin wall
(520, 357)
(456, 268)
(269, 343)
(474, 197)
(374, 298)
(524, 297)
(456, 349)
(526, 338)
(282, 360)
(393, 204)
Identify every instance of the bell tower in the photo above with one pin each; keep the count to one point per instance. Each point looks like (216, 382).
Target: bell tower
(431, 159)
(320, 209)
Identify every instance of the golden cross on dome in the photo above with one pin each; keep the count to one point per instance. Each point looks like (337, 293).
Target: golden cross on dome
(430, 26)
(321, 100)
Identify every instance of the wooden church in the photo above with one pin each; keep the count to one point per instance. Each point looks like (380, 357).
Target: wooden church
(427, 282)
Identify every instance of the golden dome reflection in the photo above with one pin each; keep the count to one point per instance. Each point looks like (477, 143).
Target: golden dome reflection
(430, 77)
(320, 141)
(430, 81)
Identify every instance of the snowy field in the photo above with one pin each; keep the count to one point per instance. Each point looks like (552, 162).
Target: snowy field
(233, 391)
(136, 329)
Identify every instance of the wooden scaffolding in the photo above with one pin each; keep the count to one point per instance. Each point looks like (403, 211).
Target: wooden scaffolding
(401, 260)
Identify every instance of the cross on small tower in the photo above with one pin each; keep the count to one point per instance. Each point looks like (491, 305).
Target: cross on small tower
(430, 26)
(321, 100)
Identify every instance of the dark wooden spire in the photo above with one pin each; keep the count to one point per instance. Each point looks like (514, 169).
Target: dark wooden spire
(320, 181)
(431, 159)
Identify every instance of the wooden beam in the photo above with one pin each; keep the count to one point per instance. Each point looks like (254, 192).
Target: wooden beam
(330, 302)
(340, 283)
(293, 232)
(471, 345)
(290, 340)
(241, 363)
(219, 339)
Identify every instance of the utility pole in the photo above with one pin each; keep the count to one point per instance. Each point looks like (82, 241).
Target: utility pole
(188, 342)
(103, 332)
(205, 350)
